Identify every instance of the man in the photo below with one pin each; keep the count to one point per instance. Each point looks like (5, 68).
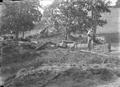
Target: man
(91, 38)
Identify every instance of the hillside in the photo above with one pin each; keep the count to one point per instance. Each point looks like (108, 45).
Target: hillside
(58, 68)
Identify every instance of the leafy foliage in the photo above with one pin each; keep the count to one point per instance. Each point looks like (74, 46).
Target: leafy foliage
(20, 16)
(78, 16)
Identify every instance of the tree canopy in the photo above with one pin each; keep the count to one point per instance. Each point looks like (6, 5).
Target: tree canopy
(20, 16)
(78, 15)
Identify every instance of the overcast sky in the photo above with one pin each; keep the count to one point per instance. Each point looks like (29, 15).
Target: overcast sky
(113, 2)
(46, 3)
(49, 2)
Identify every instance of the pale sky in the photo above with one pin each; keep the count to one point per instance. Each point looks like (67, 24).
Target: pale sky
(113, 2)
(49, 2)
(46, 3)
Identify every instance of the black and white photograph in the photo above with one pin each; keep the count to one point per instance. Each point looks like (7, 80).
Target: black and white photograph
(59, 43)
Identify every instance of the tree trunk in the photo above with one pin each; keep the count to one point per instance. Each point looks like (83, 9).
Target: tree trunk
(17, 36)
(91, 40)
(89, 44)
(94, 17)
(23, 34)
(66, 36)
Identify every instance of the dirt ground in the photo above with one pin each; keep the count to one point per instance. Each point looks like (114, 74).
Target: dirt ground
(63, 68)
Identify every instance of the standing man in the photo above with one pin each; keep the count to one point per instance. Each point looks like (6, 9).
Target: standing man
(91, 38)
(109, 47)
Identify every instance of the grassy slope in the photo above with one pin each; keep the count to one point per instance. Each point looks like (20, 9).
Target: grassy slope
(58, 58)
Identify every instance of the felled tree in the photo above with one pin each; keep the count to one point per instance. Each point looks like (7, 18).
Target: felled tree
(20, 17)
(80, 15)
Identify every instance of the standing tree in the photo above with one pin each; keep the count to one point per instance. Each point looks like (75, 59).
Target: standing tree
(20, 16)
(48, 16)
(80, 15)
